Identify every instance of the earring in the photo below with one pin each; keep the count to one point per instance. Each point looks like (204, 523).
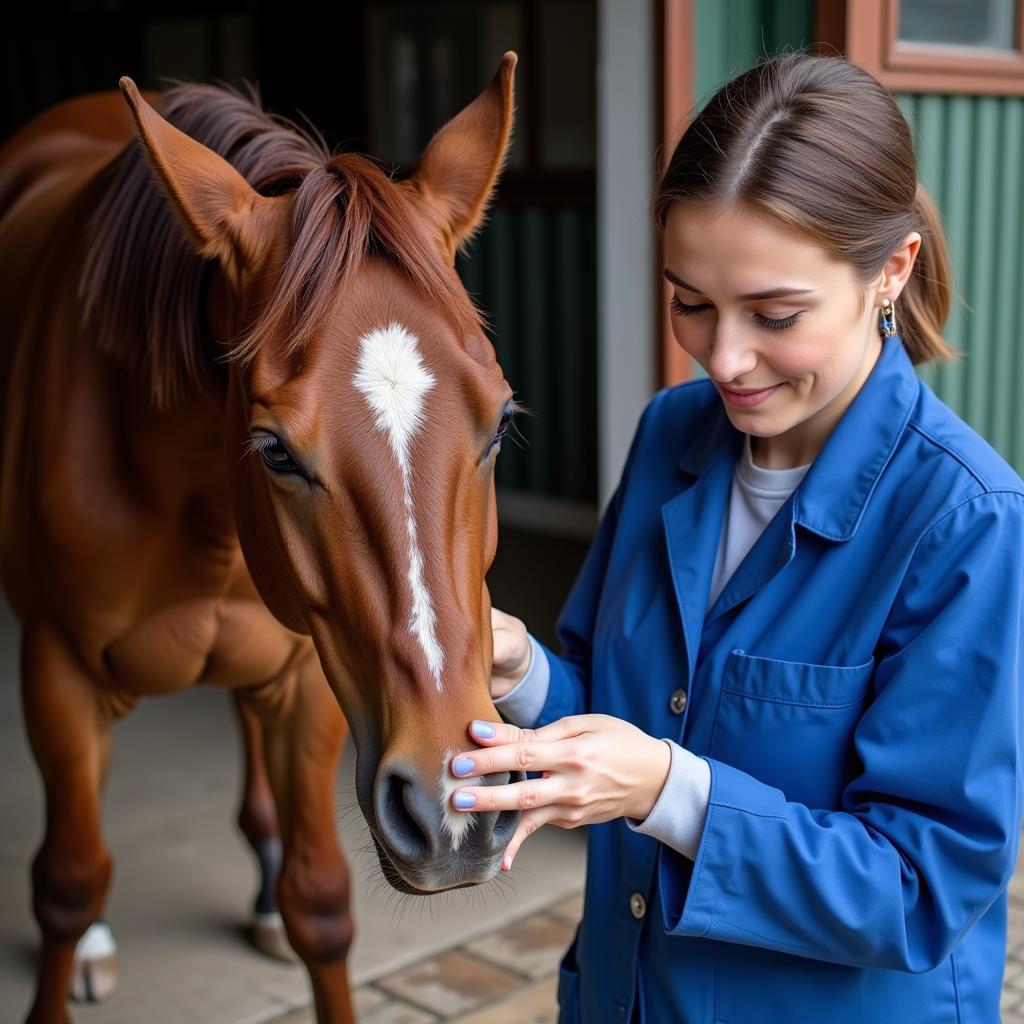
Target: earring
(887, 318)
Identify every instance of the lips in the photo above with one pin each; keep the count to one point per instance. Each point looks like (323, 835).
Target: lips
(750, 397)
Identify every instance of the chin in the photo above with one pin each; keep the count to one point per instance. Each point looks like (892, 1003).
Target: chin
(749, 422)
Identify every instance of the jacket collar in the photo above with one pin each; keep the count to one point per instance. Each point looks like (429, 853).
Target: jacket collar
(831, 499)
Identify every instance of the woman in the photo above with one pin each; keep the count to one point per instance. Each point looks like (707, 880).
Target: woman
(789, 699)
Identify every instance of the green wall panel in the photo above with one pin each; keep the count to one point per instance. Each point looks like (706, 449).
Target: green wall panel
(730, 35)
(970, 152)
(532, 270)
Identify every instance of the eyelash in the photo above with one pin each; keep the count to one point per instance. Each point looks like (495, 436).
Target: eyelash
(264, 444)
(680, 308)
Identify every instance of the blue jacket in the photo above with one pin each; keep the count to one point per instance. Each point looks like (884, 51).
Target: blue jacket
(856, 691)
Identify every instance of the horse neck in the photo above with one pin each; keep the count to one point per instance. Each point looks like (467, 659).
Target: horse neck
(178, 454)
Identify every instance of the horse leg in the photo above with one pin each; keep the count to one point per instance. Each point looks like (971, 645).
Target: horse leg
(302, 740)
(257, 820)
(69, 735)
(94, 974)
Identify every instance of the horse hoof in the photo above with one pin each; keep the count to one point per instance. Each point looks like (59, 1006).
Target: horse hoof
(94, 972)
(269, 937)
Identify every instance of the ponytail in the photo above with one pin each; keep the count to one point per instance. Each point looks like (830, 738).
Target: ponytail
(923, 305)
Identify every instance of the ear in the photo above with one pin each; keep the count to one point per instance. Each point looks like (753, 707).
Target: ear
(224, 217)
(898, 267)
(460, 166)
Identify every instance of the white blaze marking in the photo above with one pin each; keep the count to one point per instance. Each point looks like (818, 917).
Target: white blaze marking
(394, 381)
(455, 823)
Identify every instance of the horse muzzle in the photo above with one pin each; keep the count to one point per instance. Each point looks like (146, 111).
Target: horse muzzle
(429, 845)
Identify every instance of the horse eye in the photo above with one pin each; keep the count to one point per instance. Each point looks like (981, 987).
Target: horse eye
(276, 457)
(506, 419)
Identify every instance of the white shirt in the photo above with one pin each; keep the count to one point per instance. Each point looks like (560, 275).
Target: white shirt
(757, 494)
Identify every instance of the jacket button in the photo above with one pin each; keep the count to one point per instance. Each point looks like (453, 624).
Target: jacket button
(677, 702)
(637, 905)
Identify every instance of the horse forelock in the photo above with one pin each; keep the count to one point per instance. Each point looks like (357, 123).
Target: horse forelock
(342, 213)
(143, 285)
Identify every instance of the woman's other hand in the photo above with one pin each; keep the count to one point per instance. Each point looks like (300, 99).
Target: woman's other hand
(594, 768)
(512, 650)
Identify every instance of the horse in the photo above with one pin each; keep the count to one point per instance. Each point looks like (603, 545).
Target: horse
(250, 421)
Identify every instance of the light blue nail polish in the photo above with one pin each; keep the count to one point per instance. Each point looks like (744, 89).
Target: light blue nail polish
(482, 730)
(463, 766)
(464, 800)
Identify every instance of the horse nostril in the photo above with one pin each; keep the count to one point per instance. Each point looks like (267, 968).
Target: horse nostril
(412, 823)
(506, 821)
(404, 822)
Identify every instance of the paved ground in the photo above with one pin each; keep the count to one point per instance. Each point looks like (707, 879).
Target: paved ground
(507, 978)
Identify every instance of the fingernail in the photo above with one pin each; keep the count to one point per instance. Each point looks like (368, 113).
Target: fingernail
(464, 800)
(482, 730)
(463, 766)
(506, 863)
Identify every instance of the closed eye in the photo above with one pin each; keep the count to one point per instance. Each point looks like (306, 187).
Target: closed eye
(681, 308)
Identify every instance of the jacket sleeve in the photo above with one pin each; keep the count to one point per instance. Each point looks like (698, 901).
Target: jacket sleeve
(928, 832)
(522, 704)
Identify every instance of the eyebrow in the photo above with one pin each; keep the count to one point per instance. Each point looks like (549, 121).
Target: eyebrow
(771, 293)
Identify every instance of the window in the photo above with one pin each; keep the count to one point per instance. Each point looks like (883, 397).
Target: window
(948, 46)
(988, 24)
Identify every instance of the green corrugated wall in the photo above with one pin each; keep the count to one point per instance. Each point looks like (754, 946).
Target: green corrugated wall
(533, 272)
(730, 35)
(970, 152)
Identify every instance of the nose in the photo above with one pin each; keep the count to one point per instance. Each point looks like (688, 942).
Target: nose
(411, 821)
(731, 357)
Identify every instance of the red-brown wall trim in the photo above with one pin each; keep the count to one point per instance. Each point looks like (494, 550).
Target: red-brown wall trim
(676, 30)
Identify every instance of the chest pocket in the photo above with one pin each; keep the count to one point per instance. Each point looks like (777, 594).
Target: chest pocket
(790, 724)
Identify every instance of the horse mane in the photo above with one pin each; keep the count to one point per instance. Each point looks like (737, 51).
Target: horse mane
(144, 285)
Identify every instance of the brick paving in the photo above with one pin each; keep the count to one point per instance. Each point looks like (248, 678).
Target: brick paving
(510, 977)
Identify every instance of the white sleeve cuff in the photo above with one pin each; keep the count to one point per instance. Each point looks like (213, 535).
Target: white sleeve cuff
(523, 704)
(677, 818)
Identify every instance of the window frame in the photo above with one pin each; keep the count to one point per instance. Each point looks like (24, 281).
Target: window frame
(866, 31)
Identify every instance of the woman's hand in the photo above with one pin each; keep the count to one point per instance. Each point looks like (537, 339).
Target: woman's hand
(511, 656)
(595, 768)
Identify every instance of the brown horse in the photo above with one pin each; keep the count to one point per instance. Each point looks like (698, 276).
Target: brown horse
(250, 424)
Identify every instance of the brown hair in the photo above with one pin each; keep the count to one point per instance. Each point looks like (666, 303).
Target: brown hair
(819, 145)
(143, 284)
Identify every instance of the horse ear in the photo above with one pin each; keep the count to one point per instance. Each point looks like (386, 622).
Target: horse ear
(224, 217)
(461, 164)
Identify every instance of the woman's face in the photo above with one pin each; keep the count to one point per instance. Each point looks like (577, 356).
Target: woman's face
(786, 334)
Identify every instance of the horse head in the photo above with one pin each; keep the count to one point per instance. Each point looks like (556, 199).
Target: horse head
(365, 409)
